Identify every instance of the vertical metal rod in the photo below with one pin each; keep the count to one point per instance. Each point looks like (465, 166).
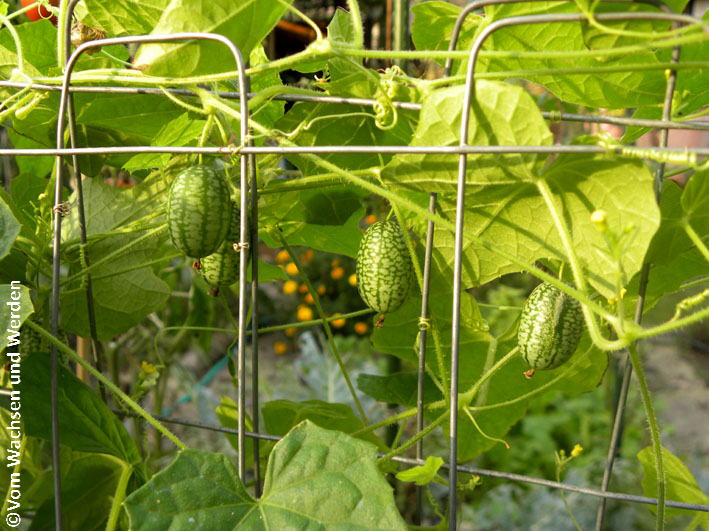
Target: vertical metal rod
(422, 345)
(253, 243)
(644, 276)
(243, 233)
(71, 117)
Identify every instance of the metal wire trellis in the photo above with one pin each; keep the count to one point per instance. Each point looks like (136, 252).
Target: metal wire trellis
(248, 237)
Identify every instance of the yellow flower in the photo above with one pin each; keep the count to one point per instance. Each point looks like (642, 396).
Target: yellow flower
(291, 332)
(353, 279)
(282, 257)
(321, 289)
(292, 269)
(337, 273)
(598, 217)
(361, 328)
(338, 323)
(147, 368)
(290, 287)
(303, 313)
(280, 347)
(308, 299)
(577, 450)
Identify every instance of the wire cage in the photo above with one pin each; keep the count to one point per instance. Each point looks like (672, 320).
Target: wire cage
(249, 234)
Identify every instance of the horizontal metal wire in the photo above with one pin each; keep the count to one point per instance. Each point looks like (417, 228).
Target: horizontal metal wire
(367, 102)
(465, 469)
(393, 150)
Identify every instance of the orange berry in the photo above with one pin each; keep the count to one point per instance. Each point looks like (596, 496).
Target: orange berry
(308, 299)
(337, 273)
(338, 323)
(335, 262)
(361, 328)
(303, 313)
(280, 347)
(290, 287)
(282, 257)
(321, 289)
(307, 255)
(371, 219)
(291, 332)
(352, 280)
(292, 269)
(302, 289)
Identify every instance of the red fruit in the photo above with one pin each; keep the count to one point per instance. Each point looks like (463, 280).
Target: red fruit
(40, 12)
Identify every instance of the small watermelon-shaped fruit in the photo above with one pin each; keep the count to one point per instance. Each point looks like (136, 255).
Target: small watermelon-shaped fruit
(198, 211)
(384, 269)
(550, 328)
(222, 267)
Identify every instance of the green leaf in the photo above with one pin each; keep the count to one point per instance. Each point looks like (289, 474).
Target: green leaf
(695, 202)
(279, 416)
(119, 18)
(433, 24)
(246, 23)
(16, 308)
(602, 89)
(85, 422)
(181, 131)
(9, 228)
(88, 487)
(502, 114)
(124, 293)
(398, 388)
(517, 219)
(327, 219)
(315, 479)
(681, 485)
(423, 474)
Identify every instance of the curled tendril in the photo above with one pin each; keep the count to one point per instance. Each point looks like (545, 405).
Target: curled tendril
(385, 113)
(689, 302)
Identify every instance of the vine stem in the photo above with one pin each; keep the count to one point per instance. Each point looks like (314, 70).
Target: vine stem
(118, 498)
(654, 434)
(356, 23)
(443, 383)
(18, 43)
(695, 239)
(420, 435)
(467, 397)
(577, 270)
(115, 253)
(108, 383)
(323, 319)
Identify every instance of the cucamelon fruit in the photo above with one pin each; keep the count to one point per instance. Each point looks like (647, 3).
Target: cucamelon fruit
(384, 269)
(550, 328)
(198, 211)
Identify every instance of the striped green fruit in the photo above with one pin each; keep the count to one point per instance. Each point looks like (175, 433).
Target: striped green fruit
(384, 269)
(198, 211)
(222, 268)
(550, 327)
